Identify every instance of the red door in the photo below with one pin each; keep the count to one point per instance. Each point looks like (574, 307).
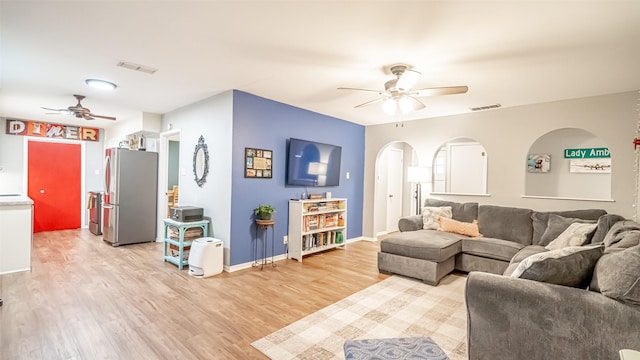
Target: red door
(54, 185)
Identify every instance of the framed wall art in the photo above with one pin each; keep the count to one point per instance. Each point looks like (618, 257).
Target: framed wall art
(258, 163)
(590, 166)
(538, 163)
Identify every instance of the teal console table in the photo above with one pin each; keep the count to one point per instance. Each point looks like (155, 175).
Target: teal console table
(181, 243)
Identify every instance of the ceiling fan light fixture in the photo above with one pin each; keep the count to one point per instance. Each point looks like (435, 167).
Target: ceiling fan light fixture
(405, 105)
(101, 84)
(389, 106)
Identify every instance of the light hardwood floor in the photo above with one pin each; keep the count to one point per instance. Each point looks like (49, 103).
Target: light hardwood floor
(84, 299)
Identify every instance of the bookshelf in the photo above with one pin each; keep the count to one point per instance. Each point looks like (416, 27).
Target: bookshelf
(316, 225)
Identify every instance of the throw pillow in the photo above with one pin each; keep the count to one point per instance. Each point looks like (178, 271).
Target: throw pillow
(570, 266)
(575, 235)
(430, 216)
(522, 254)
(558, 224)
(459, 227)
(617, 275)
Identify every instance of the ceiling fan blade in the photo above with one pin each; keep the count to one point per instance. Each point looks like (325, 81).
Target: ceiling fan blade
(369, 103)
(407, 79)
(417, 104)
(50, 109)
(356, 89)
(100, 116)
(447, 90)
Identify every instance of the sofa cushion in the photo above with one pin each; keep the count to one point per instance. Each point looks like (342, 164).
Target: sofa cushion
(430, 215)
(623, 234)
(576, 234)
(557, 224)
(570, 266)
(605, 222)
(429, 245)
(491, 248)
(617, 275)
(459, 227)
(508, 223)
(466, 212)
(410, 223)
(541, 218)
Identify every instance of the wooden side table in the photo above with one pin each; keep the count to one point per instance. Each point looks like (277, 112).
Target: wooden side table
(181, 243)
(262, 231)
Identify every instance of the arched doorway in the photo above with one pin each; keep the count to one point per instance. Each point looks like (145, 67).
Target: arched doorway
(393, 196)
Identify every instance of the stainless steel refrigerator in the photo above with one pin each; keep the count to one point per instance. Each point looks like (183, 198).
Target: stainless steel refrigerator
(131, 196)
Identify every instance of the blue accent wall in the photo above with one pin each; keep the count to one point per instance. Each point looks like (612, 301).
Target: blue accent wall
(267, 124)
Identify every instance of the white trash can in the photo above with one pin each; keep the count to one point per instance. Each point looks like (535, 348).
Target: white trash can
(206, 257)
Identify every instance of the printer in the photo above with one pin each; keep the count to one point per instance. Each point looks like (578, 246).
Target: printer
(186, 213)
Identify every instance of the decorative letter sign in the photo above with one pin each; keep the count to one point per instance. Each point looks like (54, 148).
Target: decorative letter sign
(50, 130)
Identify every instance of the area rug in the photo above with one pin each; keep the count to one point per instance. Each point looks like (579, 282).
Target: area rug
(394, 307)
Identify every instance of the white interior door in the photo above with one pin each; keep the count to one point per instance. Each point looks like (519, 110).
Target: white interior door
(467, 169)
(394, 188)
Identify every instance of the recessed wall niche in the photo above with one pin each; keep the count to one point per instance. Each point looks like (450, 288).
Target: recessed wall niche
(561, 180)
(460, 167)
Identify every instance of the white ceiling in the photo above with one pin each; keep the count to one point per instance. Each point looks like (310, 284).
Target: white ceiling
(508, 52)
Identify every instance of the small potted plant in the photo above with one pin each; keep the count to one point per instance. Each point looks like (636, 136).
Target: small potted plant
(264, 212)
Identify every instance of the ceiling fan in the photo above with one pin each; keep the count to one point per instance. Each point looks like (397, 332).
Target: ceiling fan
(398, 96)
(80, 111)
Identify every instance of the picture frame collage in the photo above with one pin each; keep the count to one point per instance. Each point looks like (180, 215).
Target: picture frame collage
(258, 163)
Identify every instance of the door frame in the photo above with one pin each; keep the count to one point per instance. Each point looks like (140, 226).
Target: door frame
(163, 179)
(390, 227)
(25, 173)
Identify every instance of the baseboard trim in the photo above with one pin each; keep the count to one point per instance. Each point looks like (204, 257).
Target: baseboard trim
(281, 257)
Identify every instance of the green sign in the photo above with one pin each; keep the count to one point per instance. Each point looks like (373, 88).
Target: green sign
(587, 153)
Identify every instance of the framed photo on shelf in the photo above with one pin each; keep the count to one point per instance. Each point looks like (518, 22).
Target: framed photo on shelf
(538, 163)
(258, 163)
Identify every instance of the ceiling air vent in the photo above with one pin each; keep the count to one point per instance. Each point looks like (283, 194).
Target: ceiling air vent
(137, 67)
(485, 107)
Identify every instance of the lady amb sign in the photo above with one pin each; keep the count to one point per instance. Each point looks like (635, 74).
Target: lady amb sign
(50, 130)
(587, 153)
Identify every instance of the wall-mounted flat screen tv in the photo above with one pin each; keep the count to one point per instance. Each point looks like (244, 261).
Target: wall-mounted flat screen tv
(311, 163)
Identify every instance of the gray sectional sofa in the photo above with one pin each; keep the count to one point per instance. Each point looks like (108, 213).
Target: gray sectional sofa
(584, 304)
(430, 255)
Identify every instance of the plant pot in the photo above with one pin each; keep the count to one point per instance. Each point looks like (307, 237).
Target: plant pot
(262, 216)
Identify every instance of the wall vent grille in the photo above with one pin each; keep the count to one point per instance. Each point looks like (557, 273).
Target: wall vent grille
(485, 107)
(137, 67)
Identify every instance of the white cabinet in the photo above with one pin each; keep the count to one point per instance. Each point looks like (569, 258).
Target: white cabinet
(316, 225)
(16, 230)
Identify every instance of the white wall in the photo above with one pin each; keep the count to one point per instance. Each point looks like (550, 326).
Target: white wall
(213, 119)
(11, 162)
(507, 134)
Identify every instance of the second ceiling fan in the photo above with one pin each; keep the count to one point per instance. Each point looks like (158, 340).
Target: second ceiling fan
(80, 111)
(399, 97)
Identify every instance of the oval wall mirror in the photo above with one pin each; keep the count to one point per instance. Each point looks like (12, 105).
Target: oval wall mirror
(460, 167)
(201, 162)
